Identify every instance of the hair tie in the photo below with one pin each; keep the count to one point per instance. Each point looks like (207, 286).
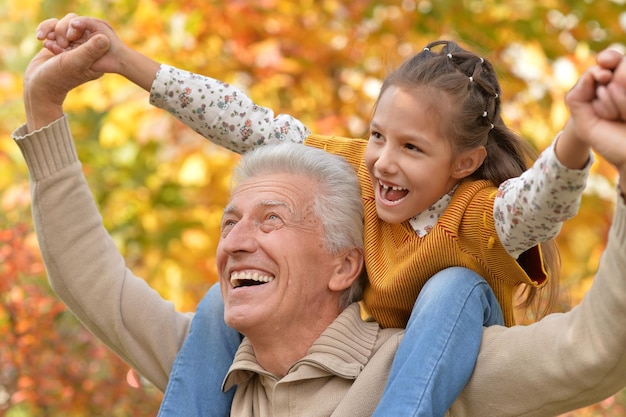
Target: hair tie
(427, 49)
(450, 56)
(482, 61)
(471, 79)
(496, 96)
(485, 113)
(492, 126)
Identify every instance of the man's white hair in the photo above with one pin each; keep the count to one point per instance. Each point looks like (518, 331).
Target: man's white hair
(337, 199)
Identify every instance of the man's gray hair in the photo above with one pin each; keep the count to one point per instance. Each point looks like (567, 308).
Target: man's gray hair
(337, 201)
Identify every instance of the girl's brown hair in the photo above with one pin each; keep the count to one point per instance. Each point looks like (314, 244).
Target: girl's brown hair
(470, 115)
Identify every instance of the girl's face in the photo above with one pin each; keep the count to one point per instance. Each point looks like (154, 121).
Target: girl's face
(410, 163)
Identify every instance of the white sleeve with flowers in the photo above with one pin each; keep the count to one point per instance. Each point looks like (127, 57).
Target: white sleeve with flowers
(531, 208)
(220, 112)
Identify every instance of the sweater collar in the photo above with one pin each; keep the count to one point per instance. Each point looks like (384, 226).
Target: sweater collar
(343, 349)
(424, 222)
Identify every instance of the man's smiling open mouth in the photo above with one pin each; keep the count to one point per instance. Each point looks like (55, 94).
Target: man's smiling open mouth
(248, 279)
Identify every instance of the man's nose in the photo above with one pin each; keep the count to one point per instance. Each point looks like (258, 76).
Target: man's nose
(241, 238)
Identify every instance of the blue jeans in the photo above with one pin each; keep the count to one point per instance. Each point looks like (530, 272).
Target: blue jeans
(195, 384)
(444, 333)
(437, 355)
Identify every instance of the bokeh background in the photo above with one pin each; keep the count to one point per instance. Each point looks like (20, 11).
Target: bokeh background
(161, 187)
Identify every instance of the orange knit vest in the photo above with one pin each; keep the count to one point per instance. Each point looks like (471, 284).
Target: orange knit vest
(399, 262)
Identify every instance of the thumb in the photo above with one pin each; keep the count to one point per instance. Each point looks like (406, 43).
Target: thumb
(583, 91)
(76, 64)
(92, 50)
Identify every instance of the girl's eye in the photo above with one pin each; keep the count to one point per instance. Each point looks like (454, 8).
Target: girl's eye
(412, 147)
(375, 135)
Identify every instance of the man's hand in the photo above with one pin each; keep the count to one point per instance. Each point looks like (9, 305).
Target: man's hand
(597, 104)
(50, 77)
(609, 102)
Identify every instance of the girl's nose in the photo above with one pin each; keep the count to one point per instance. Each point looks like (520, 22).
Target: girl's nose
(385, 163)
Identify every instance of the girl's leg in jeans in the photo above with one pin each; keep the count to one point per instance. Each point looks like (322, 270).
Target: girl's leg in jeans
(195, 385)
(437, 355)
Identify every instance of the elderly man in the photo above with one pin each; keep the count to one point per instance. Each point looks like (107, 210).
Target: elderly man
(305, 354)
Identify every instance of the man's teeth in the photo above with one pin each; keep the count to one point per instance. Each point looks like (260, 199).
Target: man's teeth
(239, 279)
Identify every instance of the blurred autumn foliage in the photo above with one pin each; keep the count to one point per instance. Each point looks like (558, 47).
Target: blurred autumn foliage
(161, 187)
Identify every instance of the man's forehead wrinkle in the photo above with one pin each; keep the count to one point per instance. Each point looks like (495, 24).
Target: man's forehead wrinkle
(274, 203)
(232, 207)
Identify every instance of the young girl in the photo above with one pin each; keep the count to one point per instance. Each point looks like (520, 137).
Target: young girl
(443, 185)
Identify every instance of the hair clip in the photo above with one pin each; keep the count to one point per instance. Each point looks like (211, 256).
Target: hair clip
(492, 126)
(496, 96)
(482, 61)
(450, 56)
(427, 49)
(471, 79)
(485, 113)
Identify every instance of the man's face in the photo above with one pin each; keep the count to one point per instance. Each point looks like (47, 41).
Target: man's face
(274, 270)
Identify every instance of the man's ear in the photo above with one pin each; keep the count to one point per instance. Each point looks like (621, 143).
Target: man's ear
(468, 161)
(348, 268)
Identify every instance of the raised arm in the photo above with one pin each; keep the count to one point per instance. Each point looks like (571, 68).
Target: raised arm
(218, 111)
(531, 208)
(83, 264)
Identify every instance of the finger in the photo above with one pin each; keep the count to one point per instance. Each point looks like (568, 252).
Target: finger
(619, 74)
(89, 25)
(46, 27)
(618, 97)
(78, 28)
(53, 47)
(85, 55)
(583, 91)
(604, 106)
(601, 75)
(60, 30)
(609, 58)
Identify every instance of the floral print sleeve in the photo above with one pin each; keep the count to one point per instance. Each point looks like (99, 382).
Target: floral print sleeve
(220, 112)
(531, 208)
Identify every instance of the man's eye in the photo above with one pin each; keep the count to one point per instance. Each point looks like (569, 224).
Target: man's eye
(272, 222)
(228, 223)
